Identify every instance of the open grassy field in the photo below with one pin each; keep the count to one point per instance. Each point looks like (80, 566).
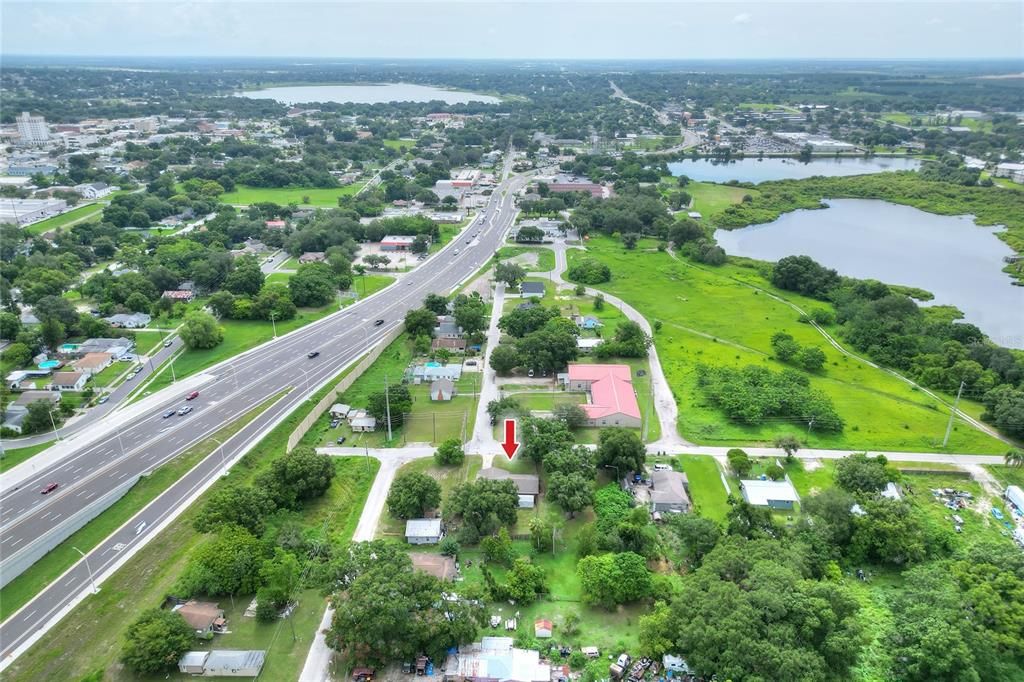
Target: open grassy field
(318, 196)
(408, 143)
(707, 491)
(75, 215)
(28, 584)
(16, 456)
(545, 257)
(447, 477)
(148, 342)
(710, 198)
(713, 316)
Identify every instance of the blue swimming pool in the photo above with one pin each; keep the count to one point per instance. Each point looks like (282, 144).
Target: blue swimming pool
(432, 364)
(50, 364)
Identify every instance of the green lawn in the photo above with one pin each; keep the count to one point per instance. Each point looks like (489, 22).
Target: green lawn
(77, 214)
(714, 316)
(447, 477)
(43, 572)
(706, 490)
(278, 278)
(546, 401)
(408, 143)
(12, 458)
(710, 198)
(318, 196)
(366, 285)
(107, 376)
(545, 257)
(148, 342)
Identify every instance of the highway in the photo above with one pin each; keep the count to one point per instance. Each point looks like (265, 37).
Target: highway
(149, 440)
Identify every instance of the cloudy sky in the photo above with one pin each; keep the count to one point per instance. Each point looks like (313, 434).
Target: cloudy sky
(527, 29)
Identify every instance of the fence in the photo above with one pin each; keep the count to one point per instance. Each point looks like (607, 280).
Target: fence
(342, 386)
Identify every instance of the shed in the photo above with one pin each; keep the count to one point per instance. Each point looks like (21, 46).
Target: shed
(1015, 496)
(542, 628)
(442, 389)
(531, 289)
(423, 531)
(772, 494)
(340, 410)
(202, 616)
(192, 662)
(363, 424)
(234, 663)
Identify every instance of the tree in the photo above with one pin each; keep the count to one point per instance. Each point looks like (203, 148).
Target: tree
(542, 436)
(155, 641)
(804, 275)
(297, 477)
(784, 347)
(229, 564)
(200, 330)
(748, 521)
(570, 414)
(889, 533)
(450, 453)
(53, 332)
(630, 341)
(222, 303)
(548, 349)
(274, 301)
(504, 359)
(17, 355)
(589, 271)
(484, 505)
(412, 494)
(1014, 457)
(312, 285)
(526, 582)
(859, 473)
(243, 506)
(655, 633)
(685, 230)
(281, 576)
(436, 303)
(137, 302)
(509, 273)
(246, 279)
(811, 358)
(698, 535)
(470, 313)
(497, 548)
(573, 491)
(522, 321)
(789, 444)
(739, 462)
(567, 460)
(10, 326)
(38, 416)
(621, 449)
(611, 579)
(397, 398)
(449, 546)
(507, 407)
(420, 322)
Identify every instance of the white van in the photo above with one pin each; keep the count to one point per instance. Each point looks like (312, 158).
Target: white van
(662, 467)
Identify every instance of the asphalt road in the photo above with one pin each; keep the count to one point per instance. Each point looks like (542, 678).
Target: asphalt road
(150, 440)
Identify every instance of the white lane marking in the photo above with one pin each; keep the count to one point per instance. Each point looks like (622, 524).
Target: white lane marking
(17, 541)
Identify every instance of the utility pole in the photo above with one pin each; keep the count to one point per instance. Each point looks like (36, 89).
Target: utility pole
(53, 424)
(952, 414)
(273, 324)
(174, 379)
(387, 406)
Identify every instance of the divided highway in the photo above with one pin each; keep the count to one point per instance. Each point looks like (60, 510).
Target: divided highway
(242, 383)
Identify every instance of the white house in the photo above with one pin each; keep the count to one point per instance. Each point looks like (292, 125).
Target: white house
(772, 494)
(423, 531)
(94, 190)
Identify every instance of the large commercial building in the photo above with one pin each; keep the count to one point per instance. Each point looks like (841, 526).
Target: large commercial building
(25, 211)
(32, 129)
(610, 389)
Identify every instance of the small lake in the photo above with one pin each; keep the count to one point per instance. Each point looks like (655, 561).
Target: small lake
(367, 93)
(754, 170)
(958, 261)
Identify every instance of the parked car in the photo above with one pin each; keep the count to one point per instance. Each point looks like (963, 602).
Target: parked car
(103, 399)
(312, 354)
(168, 413)
(192, 396)
(185, 410)
(49, 488)
(127, 357)
(341, 440)
(167, 343)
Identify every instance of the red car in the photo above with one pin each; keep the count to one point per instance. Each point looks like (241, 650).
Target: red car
(49, 488)
(192, 396)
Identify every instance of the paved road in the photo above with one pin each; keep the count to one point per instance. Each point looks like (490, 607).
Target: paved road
(245, 381)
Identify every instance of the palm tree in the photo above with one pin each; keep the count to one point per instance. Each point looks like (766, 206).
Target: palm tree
(1014, 458)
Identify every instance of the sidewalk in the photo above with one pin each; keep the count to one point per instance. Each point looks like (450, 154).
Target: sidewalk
(483, 440)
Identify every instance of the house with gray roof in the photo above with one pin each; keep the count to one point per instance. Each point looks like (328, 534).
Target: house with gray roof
(423, 531)
(669, 492)
(527, 485)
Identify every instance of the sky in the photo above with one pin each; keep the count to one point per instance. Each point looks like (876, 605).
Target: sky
(550, 29)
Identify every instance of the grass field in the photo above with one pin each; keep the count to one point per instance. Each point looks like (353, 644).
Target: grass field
(706, 489)
(318, 196)
(77, 214)
(710, 198)
(13, 458)
(545, 257)
(148, 342)
(408, 143)
(447, 477)
(278, 278)
(88, 639)
(880, 411)
(43, 572)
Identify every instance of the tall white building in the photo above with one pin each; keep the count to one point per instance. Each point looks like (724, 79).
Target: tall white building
(32, 129)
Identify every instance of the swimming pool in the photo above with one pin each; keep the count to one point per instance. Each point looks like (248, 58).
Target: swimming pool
(432, 364)
(50, 364)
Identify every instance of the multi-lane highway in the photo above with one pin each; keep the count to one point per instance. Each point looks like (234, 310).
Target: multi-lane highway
(150, 439)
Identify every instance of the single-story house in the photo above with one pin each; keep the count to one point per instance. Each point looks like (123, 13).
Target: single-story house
(586, 346)
(68, 381)
(446, 328)
(19, 377)
(223, 663)
(587, 322)
(116, 347)
(669, 492)
(442, 389)
(363, 424)
(14, 420)
(202, 616)
(185, 295)
(340, 410)
(313, 257)
(25, 399)
(275, 224)
(496, 659)
(394, 242)
(771, 494)
(423, 531)
(1015, 496)
(531, 289)
(610, 388)
(129, 320)
(528, 485)
(433, 371)
(454, 345)
(94, 190)
(440, 566)
(542, 628)
(92, 364)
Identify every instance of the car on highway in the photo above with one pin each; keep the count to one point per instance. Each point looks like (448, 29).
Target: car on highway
(103, 399)
(312, 354)
(377, 323)
(184, 410)
(168, 413)
(456, 252)
(167, 343)
(192, 396)
(49, 488)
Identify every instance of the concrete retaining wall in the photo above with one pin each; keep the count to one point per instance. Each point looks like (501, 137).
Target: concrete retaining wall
(342, 386)
(18, 562)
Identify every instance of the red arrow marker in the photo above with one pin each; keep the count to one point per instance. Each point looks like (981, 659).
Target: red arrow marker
(510, 445)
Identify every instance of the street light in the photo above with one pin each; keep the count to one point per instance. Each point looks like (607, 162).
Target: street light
(305, 375)
(95, 590)
(223, 461)
(273, 324)
(53, 424)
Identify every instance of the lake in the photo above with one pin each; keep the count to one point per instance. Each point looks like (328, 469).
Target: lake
(367, 93)
(950, 256)
(754, 170)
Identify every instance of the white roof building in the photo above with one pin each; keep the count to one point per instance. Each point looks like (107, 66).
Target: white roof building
(1015, 496)
(496, 659)
(774, 494)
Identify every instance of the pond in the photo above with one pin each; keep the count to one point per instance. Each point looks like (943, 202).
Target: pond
(950, 256)
(367, 93)
(760, 170)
